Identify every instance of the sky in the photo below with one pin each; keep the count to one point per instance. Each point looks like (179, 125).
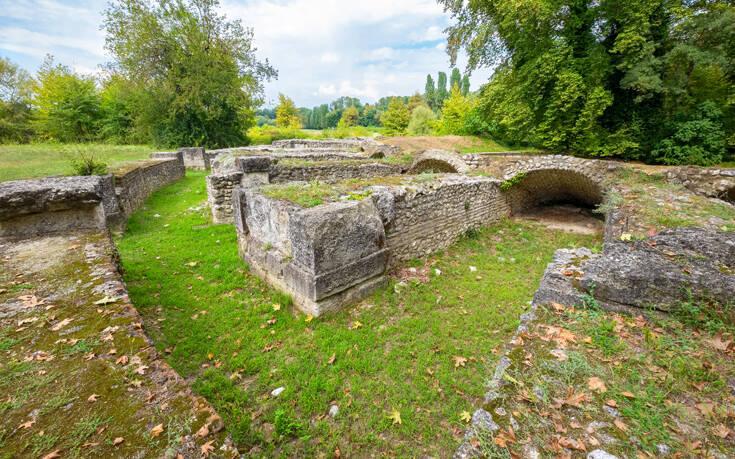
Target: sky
(322, 49)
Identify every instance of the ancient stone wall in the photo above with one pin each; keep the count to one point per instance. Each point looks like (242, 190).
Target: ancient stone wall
(137, 181)
(432, 218)
(331, 172)
(712, 182)
(480, 160)
(51, 205)
(65, 204)
(260, 170)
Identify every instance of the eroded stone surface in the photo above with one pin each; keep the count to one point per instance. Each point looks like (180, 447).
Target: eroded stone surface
(70, 333)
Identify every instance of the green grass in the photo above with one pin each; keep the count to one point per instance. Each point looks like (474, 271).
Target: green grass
(41, 160)
(237, 339)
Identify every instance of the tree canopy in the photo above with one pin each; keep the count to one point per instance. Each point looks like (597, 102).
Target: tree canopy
(196, 68)
(642, 79)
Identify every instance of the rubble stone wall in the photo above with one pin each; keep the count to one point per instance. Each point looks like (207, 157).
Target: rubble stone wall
(712, 182)
(331, 172)
(134, 184)
(431, 219)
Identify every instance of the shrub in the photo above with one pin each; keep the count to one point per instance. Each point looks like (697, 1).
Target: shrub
(395, 120)
(423, 121)
(265, 135)
(699, 140)
(455, 114)
(85, 164)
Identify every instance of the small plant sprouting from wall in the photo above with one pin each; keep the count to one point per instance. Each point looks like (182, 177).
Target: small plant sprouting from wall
(612, 201)
(513, 181)
(87, 164)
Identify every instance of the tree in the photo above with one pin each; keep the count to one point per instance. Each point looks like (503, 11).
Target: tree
(198, 70)
(287, 115)
(423, 120)
(465, 85)
(455, 112)
(430, 92)
(396, 118)
(441, 89)
(67, 105)
(15, 103)
(597, 78)
(455, 79)
(369, 116)
(350, 117)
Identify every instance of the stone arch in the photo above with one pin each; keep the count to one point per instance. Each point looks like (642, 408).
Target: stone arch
(553, 180)
(440, 161)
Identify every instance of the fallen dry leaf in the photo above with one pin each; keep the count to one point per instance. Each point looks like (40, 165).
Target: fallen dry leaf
(276, 307)
(61, 324)
(53, 454)
(332, 358)
(459, 361)
(92, 398)
(722, 431)
(706, 409)
(157, 430)
(207, 448)
(27, 424)
(117, 441)
(355, 325)
(596, 384)
(123, 360)
(611, 403)
(620, 425)
(203, 431)
(571, 443)
(465, 416)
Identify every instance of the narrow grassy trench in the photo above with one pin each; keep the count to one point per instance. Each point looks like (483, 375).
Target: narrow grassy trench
(421, 347)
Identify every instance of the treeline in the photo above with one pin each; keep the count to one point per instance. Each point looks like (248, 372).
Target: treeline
(644, 80)
(182, 74)
(439, 110)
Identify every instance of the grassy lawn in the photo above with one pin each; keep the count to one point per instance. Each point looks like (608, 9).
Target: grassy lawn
(41, 160)
(421, 347)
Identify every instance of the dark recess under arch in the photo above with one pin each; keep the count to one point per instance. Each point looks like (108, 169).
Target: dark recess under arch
(554, 186)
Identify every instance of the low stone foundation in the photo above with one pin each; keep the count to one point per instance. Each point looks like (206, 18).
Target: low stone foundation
(249, 171)
(337, 253)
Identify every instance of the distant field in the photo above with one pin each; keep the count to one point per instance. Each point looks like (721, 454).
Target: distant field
(460, 143)
(41, 160)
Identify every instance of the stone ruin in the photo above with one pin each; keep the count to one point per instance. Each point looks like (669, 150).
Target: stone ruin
(335, 253)
(338, 252)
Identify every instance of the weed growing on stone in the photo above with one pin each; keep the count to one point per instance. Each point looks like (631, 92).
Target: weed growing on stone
(422, 346)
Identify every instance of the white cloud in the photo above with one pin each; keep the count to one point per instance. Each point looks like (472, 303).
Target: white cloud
(330, 58)
(322, 48)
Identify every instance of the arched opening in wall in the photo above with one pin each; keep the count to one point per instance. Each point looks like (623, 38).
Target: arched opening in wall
(560, 199)
(433, 166)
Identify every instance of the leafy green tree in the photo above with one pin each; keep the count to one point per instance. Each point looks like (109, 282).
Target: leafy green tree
(441, 89)
(15, 103)
(465, 85)
(602, 78)
(455, 79)
(396, 118)
(198, 70)
(430, 92)
(369, 116)
(455, 112)
(287, 115)
(350, 117)
(423, 121)
(67, 105)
